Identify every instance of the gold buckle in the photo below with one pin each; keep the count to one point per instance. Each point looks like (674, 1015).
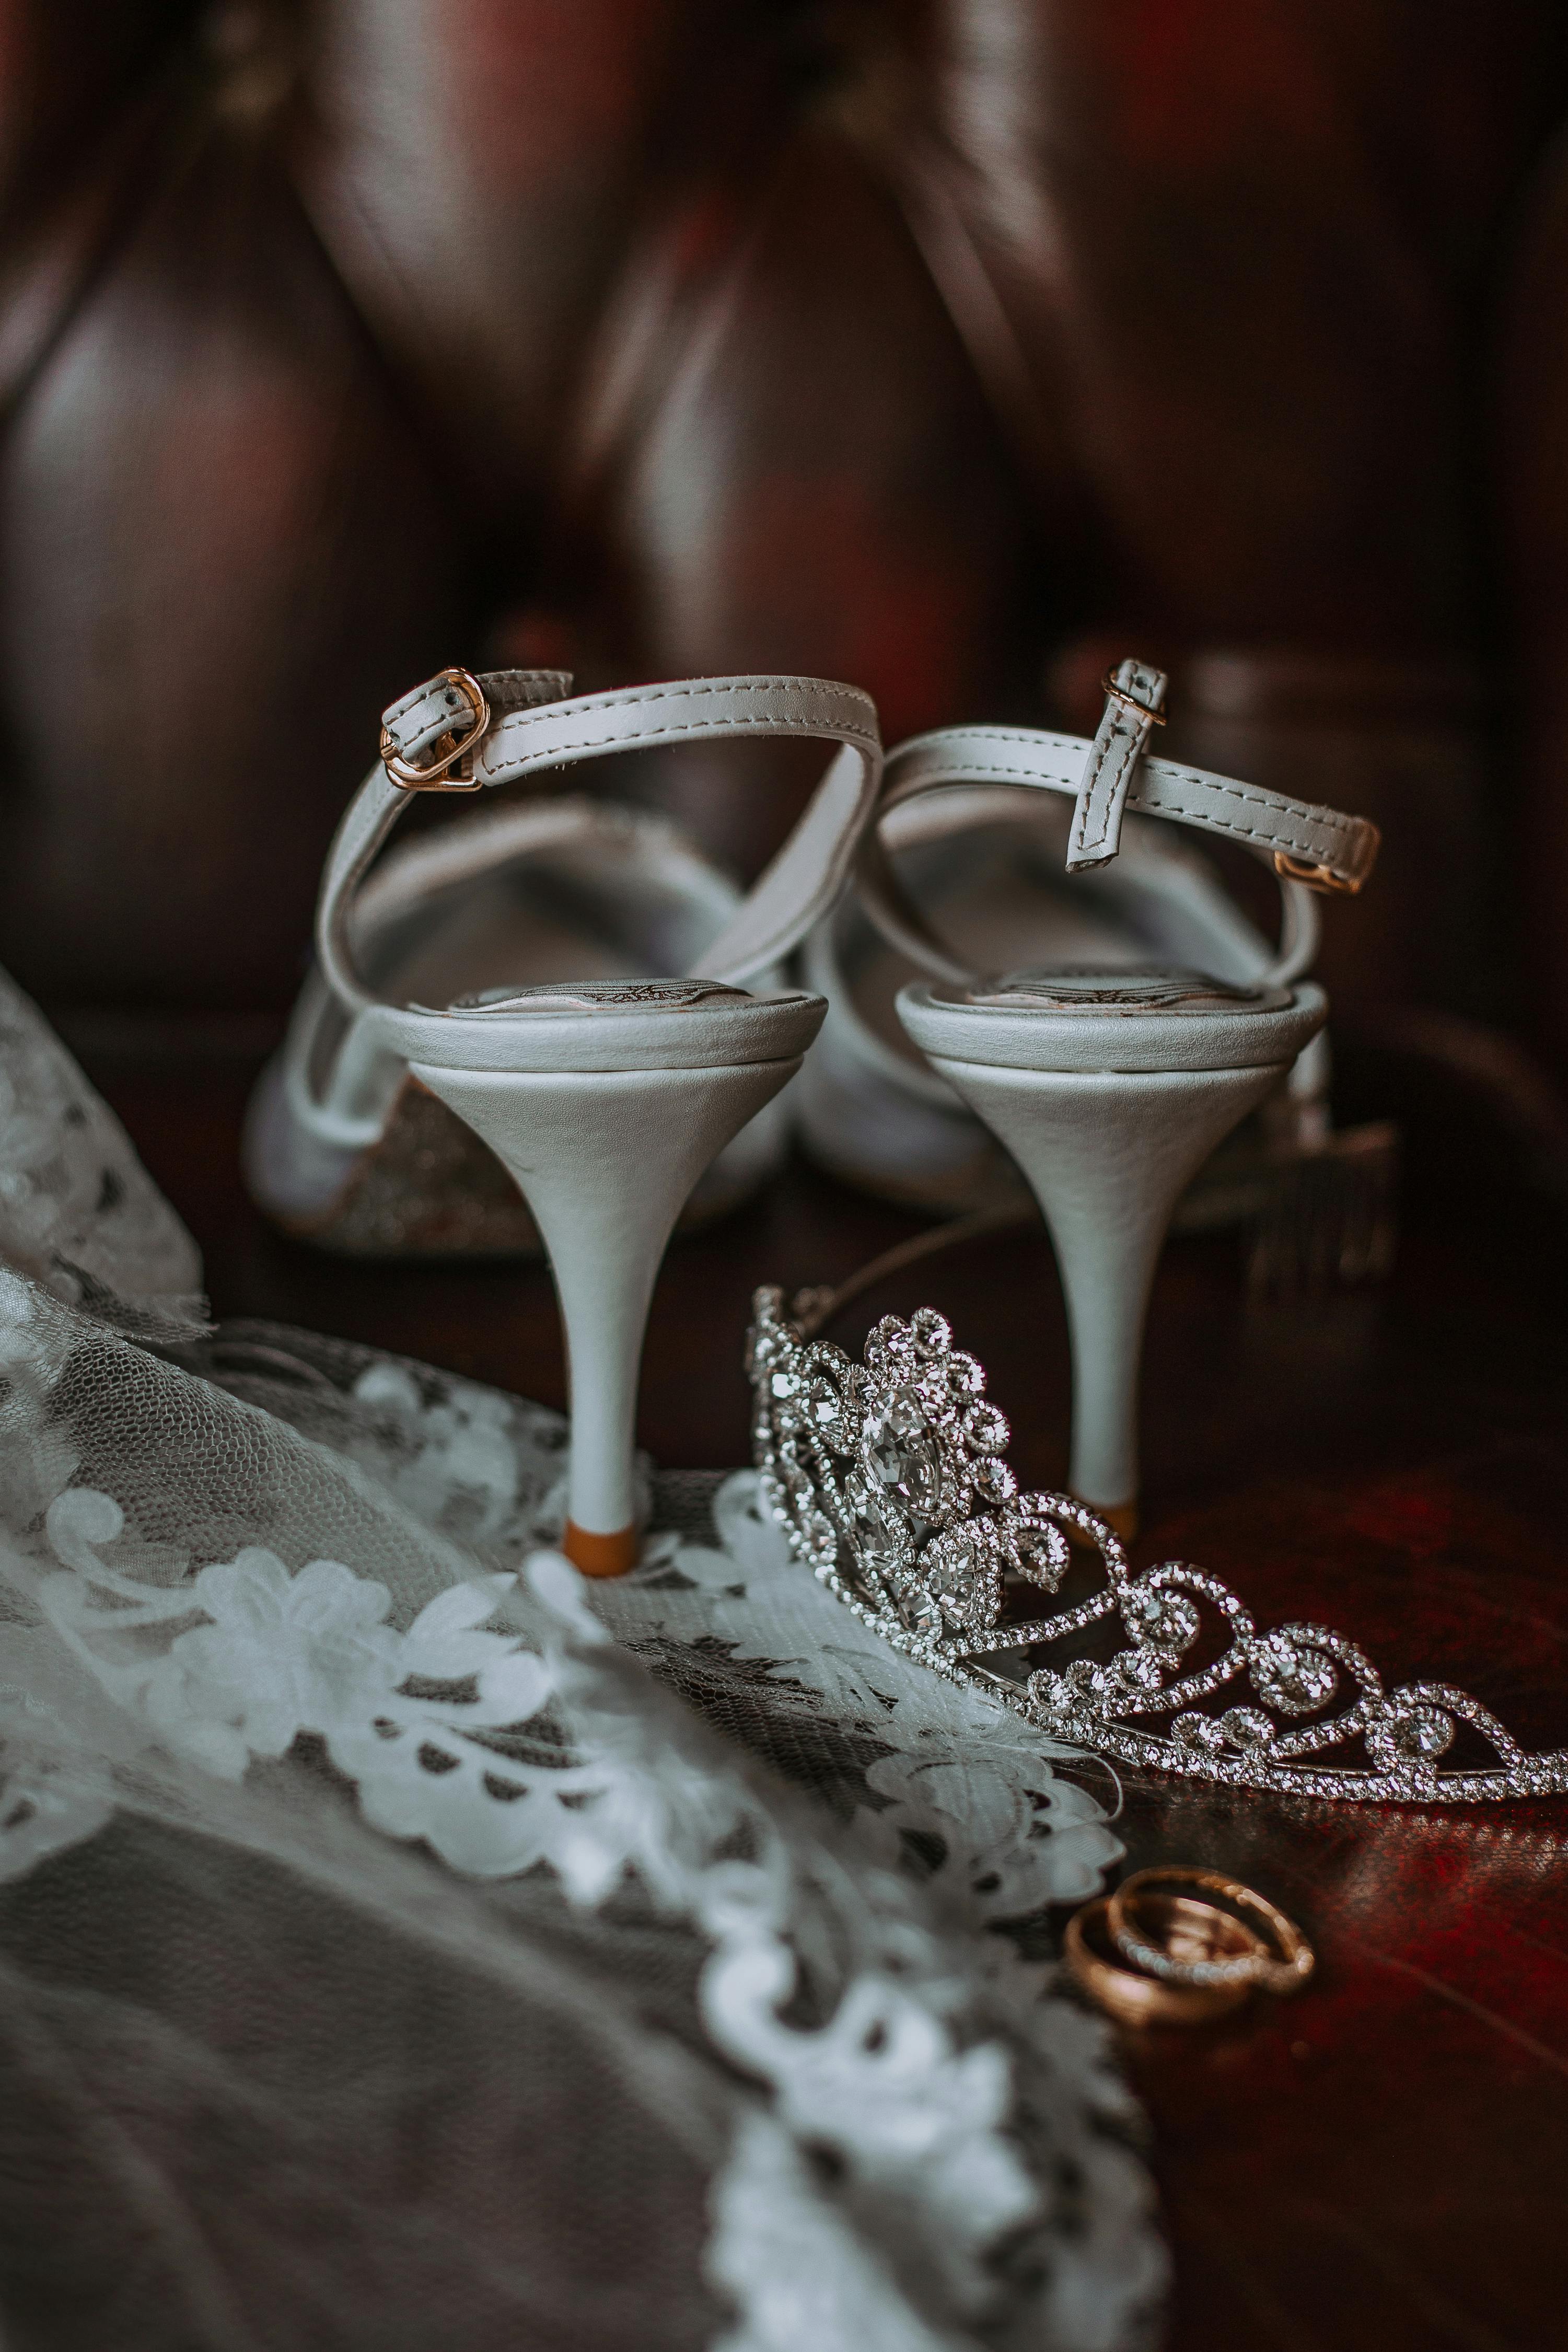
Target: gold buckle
(1316, 878)
(1130, 703)
(455, 753)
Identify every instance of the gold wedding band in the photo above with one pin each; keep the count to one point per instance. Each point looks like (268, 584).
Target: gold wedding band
(1281, 1960)
(1135, 2000)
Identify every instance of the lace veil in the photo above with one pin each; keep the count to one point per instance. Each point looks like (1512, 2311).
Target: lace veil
(403, 1944)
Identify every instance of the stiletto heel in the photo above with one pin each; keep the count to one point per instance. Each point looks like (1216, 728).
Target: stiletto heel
(1107, 1154)
(606, 1100)
(1111, 1087)
(568, 1138)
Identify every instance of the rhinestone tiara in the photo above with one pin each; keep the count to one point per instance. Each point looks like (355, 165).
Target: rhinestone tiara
(888, 1478)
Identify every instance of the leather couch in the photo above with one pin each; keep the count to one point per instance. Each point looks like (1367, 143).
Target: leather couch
(947, 346)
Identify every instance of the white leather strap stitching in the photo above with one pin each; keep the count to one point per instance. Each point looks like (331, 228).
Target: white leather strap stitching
(1112, 764)
(786, 706)
(1345, 846)
(795, 890)
(438, 707)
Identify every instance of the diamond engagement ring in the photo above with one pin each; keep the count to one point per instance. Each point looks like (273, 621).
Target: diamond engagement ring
(1279, 1959)
(1133, 1999)
(888, 1478)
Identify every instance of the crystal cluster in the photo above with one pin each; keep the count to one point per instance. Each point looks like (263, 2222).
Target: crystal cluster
(889, 1478)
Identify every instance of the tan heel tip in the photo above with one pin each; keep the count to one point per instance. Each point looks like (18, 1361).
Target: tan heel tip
(601, 1555)
(1123, 1517)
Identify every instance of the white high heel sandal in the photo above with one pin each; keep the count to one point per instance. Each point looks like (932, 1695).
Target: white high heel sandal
(531, 888)
(1109, 1087)
(985, 869)
(605, 1099)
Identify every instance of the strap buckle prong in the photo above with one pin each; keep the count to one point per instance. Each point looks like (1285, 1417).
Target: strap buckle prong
(1322, 879)
(1138, 711)
(452, 771)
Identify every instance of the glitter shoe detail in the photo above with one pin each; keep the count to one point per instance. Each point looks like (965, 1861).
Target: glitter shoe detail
(888, 1479)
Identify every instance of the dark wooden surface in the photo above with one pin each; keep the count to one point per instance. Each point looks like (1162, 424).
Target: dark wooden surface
(1382, 2163)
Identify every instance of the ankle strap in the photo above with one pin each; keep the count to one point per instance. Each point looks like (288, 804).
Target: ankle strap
(1310, 849)
(503, 724)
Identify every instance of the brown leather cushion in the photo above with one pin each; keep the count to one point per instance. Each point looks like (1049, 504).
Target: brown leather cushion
(904, 344)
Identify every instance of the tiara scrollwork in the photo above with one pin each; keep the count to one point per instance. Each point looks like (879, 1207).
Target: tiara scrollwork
(890, 1481)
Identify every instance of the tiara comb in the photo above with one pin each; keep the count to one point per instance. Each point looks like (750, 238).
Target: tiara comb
(888, 1479)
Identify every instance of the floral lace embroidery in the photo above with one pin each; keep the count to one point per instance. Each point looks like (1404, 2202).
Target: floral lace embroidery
(77, 1211)
(506, 1727)
(782, 2254)
(236, 1662)
(958, 1773)
(906, 2103)
(485, 1469)
(264, 1656)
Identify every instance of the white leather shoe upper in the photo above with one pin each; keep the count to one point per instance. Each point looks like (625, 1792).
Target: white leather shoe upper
(515, 895)
(985, 865)
(453, 953)
(1308, 848)
(532, 730)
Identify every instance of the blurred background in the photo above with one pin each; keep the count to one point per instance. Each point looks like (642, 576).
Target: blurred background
(952, 347)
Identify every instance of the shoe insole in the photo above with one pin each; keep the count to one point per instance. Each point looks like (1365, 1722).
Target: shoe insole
(999, 911)
(535, 923)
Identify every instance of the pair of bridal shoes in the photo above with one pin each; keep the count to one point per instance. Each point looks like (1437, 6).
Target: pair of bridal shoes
(502, 969)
